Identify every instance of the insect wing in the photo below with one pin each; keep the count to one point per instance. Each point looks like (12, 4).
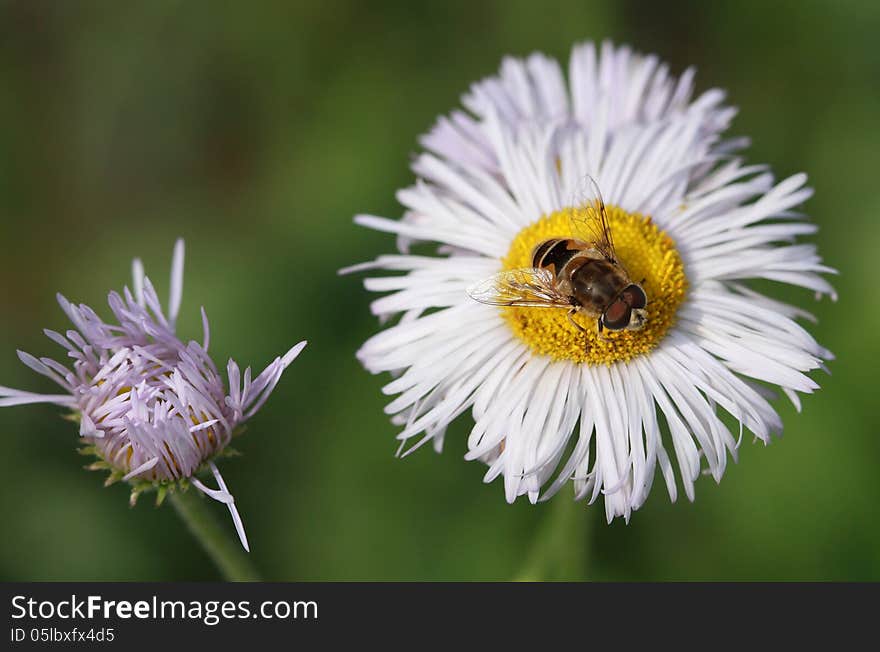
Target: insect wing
(589, 219)
(530, 287)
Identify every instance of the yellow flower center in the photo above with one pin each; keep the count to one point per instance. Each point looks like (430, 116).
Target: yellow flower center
(645, 251)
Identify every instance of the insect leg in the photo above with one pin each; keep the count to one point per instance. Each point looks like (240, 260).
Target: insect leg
(573, 322)
(600, 328)
(579, 327)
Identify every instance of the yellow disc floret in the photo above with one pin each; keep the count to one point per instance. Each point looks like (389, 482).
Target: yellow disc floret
(646, 253)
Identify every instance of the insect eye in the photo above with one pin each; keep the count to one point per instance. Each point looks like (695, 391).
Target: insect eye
(634, 296)
(617, 316)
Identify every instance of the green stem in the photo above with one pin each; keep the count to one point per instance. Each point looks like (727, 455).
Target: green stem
(225, 551)
(561, 547)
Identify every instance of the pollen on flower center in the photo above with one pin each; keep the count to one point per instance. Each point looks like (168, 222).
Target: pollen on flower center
(644, 250)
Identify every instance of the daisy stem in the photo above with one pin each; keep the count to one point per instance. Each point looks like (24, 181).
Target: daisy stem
(560, 549)
(224, 550)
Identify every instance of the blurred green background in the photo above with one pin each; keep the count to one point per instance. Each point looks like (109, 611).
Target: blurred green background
(256, 131)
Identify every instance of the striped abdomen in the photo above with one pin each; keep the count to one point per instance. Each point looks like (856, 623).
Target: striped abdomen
(554, 255)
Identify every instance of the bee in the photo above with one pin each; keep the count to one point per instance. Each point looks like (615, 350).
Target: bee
(581, 273)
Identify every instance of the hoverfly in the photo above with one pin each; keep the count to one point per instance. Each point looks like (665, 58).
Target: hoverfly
(581, 273)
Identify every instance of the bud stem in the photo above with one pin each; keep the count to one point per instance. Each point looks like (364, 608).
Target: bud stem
(224, 550)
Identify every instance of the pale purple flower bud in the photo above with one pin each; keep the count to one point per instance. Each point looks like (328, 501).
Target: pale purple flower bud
(153, 409)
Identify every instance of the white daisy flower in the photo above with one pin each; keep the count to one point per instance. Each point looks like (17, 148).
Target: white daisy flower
(555, 401)
(153, 410)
